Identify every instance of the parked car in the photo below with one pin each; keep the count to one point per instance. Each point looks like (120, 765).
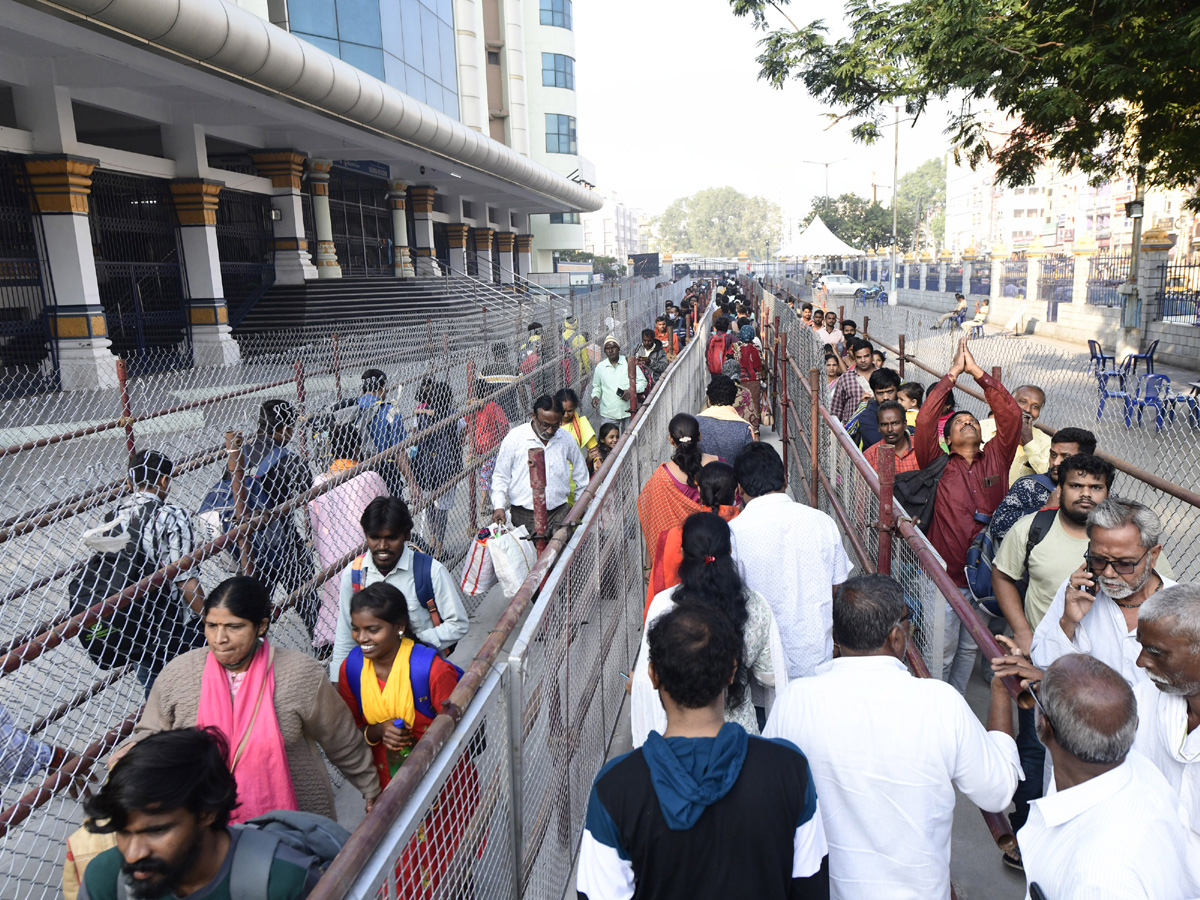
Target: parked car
(841, 285)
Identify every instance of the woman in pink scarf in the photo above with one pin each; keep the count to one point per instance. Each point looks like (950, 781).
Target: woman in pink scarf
(274, 707)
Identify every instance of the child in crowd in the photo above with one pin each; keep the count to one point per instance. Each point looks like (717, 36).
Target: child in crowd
(910, 396)
(609, 433)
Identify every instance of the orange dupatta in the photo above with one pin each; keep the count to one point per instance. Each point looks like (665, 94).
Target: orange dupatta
(668, 556)
(662, 504)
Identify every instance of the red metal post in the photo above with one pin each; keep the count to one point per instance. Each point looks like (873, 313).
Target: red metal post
(537, 481)
(900, 356)
(842, 315)
(632, 389)
(866, 325)
(337, 368)
(885, 464)
(814, 440)
(783, 418)
(126, 408)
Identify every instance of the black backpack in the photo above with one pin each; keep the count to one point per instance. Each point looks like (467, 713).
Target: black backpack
(917, 491)
(147, 631)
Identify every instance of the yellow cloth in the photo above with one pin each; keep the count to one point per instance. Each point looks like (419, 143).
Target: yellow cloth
(581, 430)
(1032, 458)
(910, 417)
(395, 701)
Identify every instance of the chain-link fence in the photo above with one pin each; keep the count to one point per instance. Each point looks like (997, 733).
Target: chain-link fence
(458, 375)
(1160, 468)
(501, 811)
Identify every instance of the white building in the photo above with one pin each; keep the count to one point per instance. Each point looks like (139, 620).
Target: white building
(615, 230)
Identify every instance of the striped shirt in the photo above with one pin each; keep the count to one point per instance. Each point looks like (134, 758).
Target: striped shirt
(169, 536)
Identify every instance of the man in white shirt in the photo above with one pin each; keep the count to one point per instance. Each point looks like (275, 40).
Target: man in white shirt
(1169, 703)
(1110, 828)
(791, 554)
(511, 489)
(887, 751)
(610, 385)
(1096, 610)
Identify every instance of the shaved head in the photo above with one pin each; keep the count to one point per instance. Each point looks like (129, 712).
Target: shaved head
(1091, 709)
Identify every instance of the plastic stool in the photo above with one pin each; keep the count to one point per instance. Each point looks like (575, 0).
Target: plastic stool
(976, 331)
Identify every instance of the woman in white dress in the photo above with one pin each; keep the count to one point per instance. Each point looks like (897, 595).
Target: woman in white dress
(709, 575)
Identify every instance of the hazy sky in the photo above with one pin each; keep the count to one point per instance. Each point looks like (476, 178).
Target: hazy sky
(670, 103)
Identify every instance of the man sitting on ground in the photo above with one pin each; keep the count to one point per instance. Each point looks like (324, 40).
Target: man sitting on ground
(1032, 492)
(656, 816)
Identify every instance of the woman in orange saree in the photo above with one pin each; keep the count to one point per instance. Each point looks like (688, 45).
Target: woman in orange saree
(671, 494)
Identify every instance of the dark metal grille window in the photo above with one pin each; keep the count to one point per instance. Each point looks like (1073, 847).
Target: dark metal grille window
(140, 271)
(1105, 275)
(1056, 283)
(564, 218)
(560, 134)
(1179, 293)
(914, 276)
(245, 244)
(362, 223)
(558, 71)
(931, 277)
(981, 277)
(1012, 279)
(556, 13)
(26, 350)
(954, 275)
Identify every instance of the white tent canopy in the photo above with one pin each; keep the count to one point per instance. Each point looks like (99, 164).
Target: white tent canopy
(818, 240)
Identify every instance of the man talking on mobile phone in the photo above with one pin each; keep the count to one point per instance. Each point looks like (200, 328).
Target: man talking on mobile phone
(1096, 610)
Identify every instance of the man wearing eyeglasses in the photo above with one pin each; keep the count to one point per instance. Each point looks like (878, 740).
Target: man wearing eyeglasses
(1096, 609)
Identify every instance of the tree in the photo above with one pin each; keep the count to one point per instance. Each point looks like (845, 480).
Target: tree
(719, 222)
(1107, 87)
(601, 265)
(856, 220)
(919, 192)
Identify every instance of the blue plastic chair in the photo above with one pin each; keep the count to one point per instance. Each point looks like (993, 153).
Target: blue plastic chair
(956, 321)
(976, 331)
(1098, 357)
(1119, 394)
(1148, 356)
(1192, 402)
(1153, 390)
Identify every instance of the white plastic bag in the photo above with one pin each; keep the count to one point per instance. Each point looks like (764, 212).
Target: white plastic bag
(479, 574)
(513, 555)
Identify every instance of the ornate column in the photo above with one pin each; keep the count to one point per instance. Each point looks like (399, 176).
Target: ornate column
(293, 256)
(1085, 248)
(943, 265)
(909, 261)
(401, 258)
(457, 232)
(926, 262)
(506, 241)
(421, 198)
(999, 255)
(483, 252)
(1156, 245)
(968, 269)
(195, 202)
(61, 188)
(524, 254)
(318, 183)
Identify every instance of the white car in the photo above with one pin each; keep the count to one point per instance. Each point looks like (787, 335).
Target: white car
(838, 285)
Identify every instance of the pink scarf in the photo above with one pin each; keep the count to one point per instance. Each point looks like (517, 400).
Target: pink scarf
(256, 754)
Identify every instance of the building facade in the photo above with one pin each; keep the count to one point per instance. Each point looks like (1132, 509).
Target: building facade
(162, 165)
(615, 230)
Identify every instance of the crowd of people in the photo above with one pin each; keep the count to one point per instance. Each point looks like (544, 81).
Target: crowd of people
(782, 746)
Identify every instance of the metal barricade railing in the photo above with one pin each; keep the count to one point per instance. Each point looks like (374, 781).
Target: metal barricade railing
(499, 783)
(66, 452)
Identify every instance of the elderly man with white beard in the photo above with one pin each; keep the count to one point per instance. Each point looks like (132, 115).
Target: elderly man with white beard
(1096, 610)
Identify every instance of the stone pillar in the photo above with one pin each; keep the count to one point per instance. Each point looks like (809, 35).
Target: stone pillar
(195, 202)
(909, 259)
(943, 265)
(61, 188)
(524, 254)
(457, 232)
(421, 198)
(505, 242)
(999, 255)
(968, 269)
(1156, 245)
(402, 266)
(318, 181)
(1033, 273)
(483, 253)
(923, 269)
(1085, 248)
(293, 256)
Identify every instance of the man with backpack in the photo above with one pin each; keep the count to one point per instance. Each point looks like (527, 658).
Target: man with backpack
(380, 426)
(1039, 553)
(719, 345)
(167, 803)
(141, 535)
(1031, 492)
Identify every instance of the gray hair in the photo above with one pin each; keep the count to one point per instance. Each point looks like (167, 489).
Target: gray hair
(865, 609)
(1117, 512)
(1075, 697)
(1180, 602)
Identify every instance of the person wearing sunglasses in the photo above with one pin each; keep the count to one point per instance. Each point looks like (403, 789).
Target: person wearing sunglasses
(1096, 610)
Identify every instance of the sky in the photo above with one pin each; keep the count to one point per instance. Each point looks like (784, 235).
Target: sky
(669, 103)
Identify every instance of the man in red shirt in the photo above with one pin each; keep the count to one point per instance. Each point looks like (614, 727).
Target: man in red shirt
(893, 430)
(971, 487)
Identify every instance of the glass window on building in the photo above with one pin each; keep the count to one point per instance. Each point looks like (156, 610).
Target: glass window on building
(564, 218)
(558, 71)
(556, 13)
(560, 134)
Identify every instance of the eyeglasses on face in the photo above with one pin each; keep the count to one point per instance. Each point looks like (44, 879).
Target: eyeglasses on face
(1097, 564)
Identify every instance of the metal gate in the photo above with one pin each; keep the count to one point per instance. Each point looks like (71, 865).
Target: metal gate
(245, 244)
(140, 271)
(362, 223)
(27, 358)
(1055, 283)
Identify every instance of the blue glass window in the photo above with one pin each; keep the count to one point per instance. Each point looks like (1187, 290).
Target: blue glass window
(560, 134)
(558, 71)
(313, 17)
(358, 23)
(365, 59)
(556, 13)
(564, 218)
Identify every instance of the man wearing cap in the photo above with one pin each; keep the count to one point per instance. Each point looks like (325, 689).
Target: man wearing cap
(610, 385)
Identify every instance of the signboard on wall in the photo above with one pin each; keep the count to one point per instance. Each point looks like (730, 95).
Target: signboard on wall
(364, 167)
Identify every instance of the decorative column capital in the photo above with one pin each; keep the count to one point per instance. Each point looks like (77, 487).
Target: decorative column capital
(483, 238)
(318, 176)
(61, 184)
(456, 233)
(524, 243)
(398, 194)
(1036, 250)
(196, 200)
(1158, 239)
(506, 240)
(999, 251)
(285, 168)
(422, 197)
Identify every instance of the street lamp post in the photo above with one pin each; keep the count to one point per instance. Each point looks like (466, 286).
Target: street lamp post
(814, 162)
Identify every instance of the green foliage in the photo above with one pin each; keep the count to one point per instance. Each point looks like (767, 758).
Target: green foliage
(922, 189)
(601, 265)
(856, 220)
(719, 222)
(1104, 87)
